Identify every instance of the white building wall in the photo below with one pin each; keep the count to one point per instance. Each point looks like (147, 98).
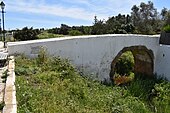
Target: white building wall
(90, 54)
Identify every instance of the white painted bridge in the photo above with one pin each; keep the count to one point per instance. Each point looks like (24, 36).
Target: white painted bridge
(96, 55)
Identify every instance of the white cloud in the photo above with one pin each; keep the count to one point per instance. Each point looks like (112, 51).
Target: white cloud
(80, 9)
(27, 20)
(32, 6)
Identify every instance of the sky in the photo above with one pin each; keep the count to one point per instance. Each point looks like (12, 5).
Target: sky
(52, 13)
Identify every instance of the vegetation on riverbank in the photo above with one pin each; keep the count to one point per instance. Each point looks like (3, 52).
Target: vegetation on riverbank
(51, 85)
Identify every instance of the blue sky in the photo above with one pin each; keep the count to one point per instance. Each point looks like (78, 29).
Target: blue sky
(53, 13)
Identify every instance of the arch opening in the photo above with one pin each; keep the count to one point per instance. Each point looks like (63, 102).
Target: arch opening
(140, 62)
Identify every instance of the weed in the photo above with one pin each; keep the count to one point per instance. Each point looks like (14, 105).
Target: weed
(2, 104)
(4, 76)
(57, 87)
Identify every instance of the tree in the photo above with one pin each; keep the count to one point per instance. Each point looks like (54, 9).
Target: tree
(98, 27)
(64, 29)
(165, 13)
(145, 18)
(87, 30)
(54, 30)
(135, 16)
(26, 34)
(119, 24)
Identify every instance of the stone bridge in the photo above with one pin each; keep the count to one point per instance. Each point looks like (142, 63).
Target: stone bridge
(97, 55)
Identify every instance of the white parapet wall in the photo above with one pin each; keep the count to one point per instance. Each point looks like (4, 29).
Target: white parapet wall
(92, 55)
(162, 66)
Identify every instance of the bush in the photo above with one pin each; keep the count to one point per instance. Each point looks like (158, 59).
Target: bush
(125, 64)
(75, 32)
(26, 34)
(45, 35)
(167, 29)
(161, 98)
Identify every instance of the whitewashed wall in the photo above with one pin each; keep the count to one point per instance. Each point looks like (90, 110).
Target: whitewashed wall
(162, 66)
(91, 54)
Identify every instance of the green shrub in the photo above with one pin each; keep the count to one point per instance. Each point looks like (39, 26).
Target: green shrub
(125, 64)
(26, 34)
(42, 56)
(161, 98)
(167, 29)
(75, 33)
(45, 35)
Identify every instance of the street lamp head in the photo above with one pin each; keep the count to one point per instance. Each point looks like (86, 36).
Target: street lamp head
(2, 5)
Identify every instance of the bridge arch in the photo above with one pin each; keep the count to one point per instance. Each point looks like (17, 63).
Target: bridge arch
(143, 60)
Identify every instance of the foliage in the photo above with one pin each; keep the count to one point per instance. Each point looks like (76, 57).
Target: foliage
(125, 64)
(45, 35)
(4, 76)
(2, 104)
(167, 29)
(98, 27)
(124, 69)
(142, 85)
(64, 29)
(26, 34)
(120, 80)
(56, 87)
(165, 13)
(42, 57)
(74, 30)
(145, 18)
(161, 97)
(75, 33)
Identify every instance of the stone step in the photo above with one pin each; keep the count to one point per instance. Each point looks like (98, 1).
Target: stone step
(3, 56)
(4, 50)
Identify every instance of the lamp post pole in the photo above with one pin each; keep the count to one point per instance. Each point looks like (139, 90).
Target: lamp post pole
(0, 29)
(3, 23)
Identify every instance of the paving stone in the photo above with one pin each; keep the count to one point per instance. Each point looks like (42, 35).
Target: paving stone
(10, 91)
(10, 109)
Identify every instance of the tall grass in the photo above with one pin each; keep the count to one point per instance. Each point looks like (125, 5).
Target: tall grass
(56, 87)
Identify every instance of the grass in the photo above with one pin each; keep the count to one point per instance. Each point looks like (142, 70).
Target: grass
(45, 35)
(54, 86)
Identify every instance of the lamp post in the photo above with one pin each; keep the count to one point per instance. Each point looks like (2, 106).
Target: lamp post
(3, 27)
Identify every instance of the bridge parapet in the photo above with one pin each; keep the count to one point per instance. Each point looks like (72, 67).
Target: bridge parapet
(91, 54)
